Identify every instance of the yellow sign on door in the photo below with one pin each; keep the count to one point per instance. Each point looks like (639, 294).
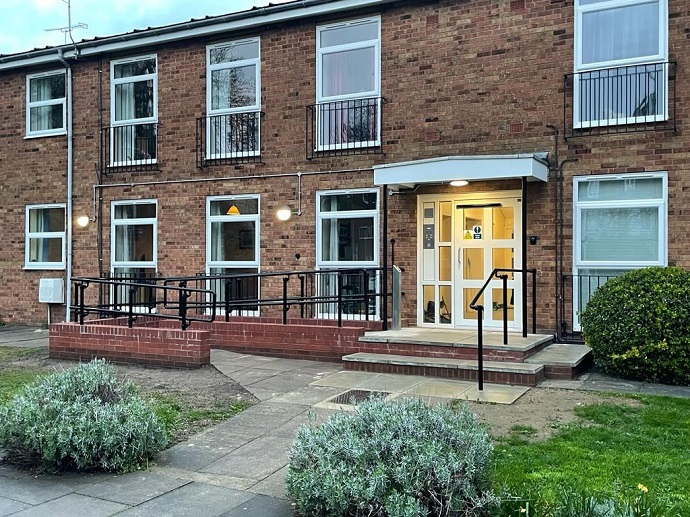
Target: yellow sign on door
(468, 235)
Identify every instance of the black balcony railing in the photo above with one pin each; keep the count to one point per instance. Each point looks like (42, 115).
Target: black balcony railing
(229, 138)
(132, 147)
(344, 127)
(625, 99)
(576, 290)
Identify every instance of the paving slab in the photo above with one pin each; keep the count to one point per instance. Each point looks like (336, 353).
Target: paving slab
(309, 395)
(561, 354)
(285, 382)
(391, 383)
(194, 499)
(8, 506)
(345, 379)
(599, 382)
(668, 391)
(34, 490)
(23, 337)
(135, 488)
(440, 389)
(495, 394)
(256, 460)
(273, 485)
(262, 505)
(249, 376)
(74, 505)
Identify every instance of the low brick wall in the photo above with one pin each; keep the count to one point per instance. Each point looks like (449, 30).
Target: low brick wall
(138, 345)
(162, 343)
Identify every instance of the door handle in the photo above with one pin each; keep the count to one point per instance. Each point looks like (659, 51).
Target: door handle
(459, 255)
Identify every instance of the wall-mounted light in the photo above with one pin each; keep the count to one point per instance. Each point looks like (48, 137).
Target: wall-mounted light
(83, 221)
(284, 213)
(459, 183)
(233, 210)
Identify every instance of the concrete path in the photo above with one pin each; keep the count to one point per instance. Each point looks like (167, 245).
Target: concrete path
(237, 468)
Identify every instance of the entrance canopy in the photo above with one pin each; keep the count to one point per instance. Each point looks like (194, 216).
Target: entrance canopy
(445, 169)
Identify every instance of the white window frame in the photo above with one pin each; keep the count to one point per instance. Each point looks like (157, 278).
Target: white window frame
(253, 108)
(580, 67)
(134, 121)
(334, 265)
(115, 222)
(578, 206)
(375, 93)
(235, 264)
(43, 235)
(37, 104)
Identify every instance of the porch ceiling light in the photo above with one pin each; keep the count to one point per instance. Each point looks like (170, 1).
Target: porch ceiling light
(459, 183)
(233, 210)
(284, 213)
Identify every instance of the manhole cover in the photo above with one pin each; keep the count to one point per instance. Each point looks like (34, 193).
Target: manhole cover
(356, 396)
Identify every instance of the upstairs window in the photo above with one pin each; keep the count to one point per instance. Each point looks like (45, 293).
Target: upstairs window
(45, 104)
(45, 236)
(620, 55)
(134, 111)
(348, 89)
(234, 99)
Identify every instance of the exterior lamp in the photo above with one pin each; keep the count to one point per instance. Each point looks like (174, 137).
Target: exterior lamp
(83, 221)
(459, 183)
(284, 213)
(233, 210)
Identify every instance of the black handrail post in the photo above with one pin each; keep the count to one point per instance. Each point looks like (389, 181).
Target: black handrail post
(480, 348)
(524, 256)
(366, 294)
(82, 288)
(505, 308)
(340, 299)
(226, 300)
(285, 295)
(534, 301)
(302, 281)
(384, 287)
(183, 306)
(130, 307)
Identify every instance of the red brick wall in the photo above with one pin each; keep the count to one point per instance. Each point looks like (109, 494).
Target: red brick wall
(459, 78)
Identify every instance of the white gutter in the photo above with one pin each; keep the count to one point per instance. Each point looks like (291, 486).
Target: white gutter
(70, 170)
(255, 18)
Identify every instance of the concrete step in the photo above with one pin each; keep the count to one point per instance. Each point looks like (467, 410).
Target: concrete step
(499, 372)
(454, 344)
(562, 361)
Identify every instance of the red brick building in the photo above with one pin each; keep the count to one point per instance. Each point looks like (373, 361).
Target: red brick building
(565, 119)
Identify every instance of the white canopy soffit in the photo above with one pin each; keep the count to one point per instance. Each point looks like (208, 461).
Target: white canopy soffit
(406, 175)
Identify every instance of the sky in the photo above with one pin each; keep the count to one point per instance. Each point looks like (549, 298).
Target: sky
(23, 23)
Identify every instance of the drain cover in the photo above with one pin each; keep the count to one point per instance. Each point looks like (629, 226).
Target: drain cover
(356, 396)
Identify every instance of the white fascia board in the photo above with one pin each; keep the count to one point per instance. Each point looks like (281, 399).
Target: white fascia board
(244, 20)
(471, 168)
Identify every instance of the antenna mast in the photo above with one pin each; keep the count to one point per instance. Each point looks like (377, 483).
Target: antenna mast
(67, 31)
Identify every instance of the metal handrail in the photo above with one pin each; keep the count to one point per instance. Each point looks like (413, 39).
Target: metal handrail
(480, 313)
(205, 300)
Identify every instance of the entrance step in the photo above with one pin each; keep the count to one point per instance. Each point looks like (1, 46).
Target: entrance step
(563, 361)
(498, 372)
(453, 344)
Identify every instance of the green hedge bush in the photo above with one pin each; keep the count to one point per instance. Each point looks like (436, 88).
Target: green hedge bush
(81, 418)
(638, 325)
(399, 459)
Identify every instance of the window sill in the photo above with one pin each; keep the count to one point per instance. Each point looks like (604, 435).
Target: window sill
(31, 136)
(44, 267)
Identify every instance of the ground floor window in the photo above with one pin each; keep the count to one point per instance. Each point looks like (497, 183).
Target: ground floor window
(45, 237)
(347, 251)
(134, 250)
(620, 224)
(232, 250)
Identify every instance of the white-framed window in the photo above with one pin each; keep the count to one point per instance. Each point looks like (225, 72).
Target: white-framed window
(620, 225)
(134, 247)
(348, 84)
(347, 238)
(233, 89)
(621, 49)
(134, 110)
(45, 236)
(45, 104)
(233, 248)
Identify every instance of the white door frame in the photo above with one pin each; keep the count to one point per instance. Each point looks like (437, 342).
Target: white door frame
(428, 272)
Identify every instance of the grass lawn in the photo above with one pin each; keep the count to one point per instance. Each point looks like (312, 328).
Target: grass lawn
(614, 449)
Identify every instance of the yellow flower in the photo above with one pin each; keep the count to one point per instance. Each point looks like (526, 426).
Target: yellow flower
(523, 510)
(642, 488)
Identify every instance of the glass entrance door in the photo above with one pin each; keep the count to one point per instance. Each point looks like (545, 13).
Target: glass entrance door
(486, 238)
(461, 242)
